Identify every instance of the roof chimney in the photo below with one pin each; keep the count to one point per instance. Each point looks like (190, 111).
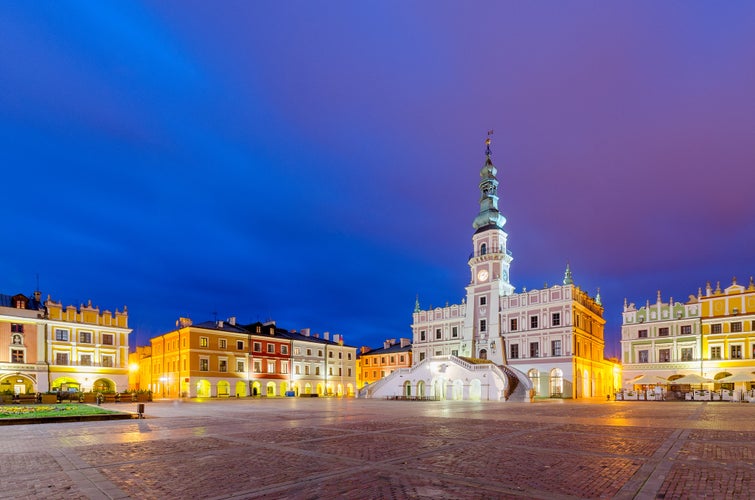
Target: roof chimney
(365, 349)
(220, 323)
(305, 332)
(406, 342)
(386, 344)
(326, 335)
(232, 320)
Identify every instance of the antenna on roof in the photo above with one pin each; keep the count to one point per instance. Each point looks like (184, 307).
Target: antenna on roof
(215, 315)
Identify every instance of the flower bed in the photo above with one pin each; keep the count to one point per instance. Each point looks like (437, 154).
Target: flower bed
(57, 410)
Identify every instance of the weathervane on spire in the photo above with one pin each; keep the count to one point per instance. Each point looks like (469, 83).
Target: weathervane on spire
(487, 143)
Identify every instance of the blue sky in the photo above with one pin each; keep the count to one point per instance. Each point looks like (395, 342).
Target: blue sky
(317, 162)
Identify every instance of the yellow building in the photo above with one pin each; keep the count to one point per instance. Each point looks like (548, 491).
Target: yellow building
(728, 330)
(374, 364)
(50, 347)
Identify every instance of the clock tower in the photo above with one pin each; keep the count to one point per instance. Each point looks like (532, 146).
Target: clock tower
(489, 265)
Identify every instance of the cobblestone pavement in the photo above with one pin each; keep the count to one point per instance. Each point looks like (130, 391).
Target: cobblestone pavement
(347, 448)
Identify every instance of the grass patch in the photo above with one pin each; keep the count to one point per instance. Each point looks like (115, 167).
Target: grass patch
(56, 410)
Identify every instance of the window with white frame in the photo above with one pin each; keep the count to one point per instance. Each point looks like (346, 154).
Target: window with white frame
(533, 322)
(222, 365)
(514, 348)
(271, 348)
(438, 334)
(204, 364)
(16, 328)
(556, 319)
(107, 361)
(736, 351)
(686, 353)
(664, 355)
(239, 345)
(642, 356)
(240, 366)
(686, 330)
(663, 331)
(284, 367)
(736, 327)
(61, 358)
(454, 332)
(534, 349)
(715, 352)
(222, 343)
(715, 328)
(258, 347)
(257, 366)
(17, 355)
(61, 335)
(555, 348)
(271, 366)
(514, 325)
(642, 334)
(204, 341)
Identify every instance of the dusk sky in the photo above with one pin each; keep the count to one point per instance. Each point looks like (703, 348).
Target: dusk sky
(317, 163)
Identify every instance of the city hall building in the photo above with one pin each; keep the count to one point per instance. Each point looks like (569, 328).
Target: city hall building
(502, 345)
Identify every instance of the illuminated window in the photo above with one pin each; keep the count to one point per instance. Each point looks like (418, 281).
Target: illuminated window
(437, 334)
(284, 367)
(736, 352)
(258, 347)
(715, 328)
(204, 341)
(642, 356)
(61, 335)
(514, 325)
(533, 321)
(17, 356)
(686, 354)
(107, 361)
(222, 343)
(271, 348)
(204, 364)
(664, 355)
(642, 334)
(736, 327)
(16, 328)
(534, 349)
(297, 351)
(663, 332)
(61, 358)
(455, 332)
(555, 348)
(223, 365)
(686, 329)
(514, 351)
(715, 352)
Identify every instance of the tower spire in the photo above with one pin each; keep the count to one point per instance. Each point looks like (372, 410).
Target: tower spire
(489, 214)
(568, 279)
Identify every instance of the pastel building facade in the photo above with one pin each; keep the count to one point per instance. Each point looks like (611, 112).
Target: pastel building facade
(45, 346)
(374, 364)
(711, 335)
(224, 359)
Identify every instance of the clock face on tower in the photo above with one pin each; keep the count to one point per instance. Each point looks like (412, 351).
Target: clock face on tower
(482, 275)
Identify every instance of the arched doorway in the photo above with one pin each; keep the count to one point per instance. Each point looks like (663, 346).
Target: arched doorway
(66, 384)
(284, 388)
(203, 389)
(439, 389)
(475, 390)
(224, 389)
(408, 388)
(421, 389)
(349, 390)
(557, 383)
(256, 388)
(586, 384)
(102, 385)
(17, 384)
(339, 390)
(270, 389)
(483, 354)
(240, 388)
(320, 389)
(307, 388)
(458, 393)
(534, 377)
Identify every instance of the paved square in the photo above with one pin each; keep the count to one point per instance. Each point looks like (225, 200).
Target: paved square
(346, 448)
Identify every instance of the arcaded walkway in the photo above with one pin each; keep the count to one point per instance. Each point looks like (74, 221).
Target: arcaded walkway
(331, 448)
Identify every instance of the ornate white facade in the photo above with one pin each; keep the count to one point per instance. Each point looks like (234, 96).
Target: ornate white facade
(549, 340)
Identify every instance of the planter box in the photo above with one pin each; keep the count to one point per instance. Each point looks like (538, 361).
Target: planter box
(143, 398)
(49, 398)
(90, 398)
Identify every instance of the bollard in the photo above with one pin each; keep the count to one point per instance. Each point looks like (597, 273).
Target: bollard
(140, 410)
